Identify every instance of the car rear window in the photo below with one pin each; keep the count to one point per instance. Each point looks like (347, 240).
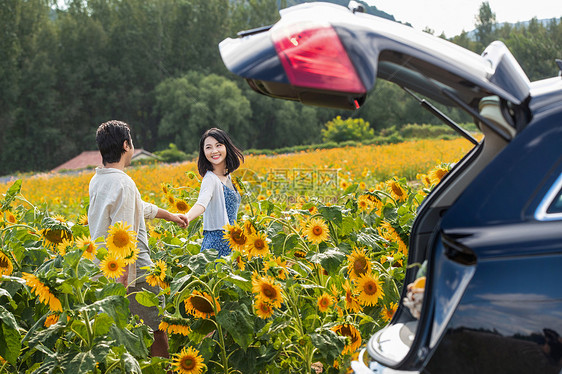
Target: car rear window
(556, 206)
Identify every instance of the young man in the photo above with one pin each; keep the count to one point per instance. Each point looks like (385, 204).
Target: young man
(114, 197)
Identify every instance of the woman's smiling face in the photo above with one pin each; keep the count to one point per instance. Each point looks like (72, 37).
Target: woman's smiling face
(215, 152)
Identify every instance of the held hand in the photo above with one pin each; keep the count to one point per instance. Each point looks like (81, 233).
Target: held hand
(182, 221)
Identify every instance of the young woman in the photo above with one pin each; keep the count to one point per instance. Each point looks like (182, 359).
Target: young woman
(218, 199)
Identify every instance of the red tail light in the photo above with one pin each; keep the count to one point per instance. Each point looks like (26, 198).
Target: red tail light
(314, 57)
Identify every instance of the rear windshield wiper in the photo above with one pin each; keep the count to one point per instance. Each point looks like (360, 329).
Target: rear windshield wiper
(437, 113)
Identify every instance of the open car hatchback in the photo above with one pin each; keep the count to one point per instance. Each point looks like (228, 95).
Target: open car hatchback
(490, 233)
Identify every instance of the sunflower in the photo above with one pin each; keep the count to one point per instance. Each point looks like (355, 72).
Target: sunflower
(362, 186)
(43, 292)
(249, 228)
(164, 187)
(389, 233)
(157, 274)
(267, 290)
(54, 236)
(201, 305)
(369, 289)
(359, 263)
(235, 236)
(352, 333)
(425, 179)
(240, 262)
(388, 311)
(112, 267)
(364, 203)
(83, 220)
(51, 319)
(324, 302)
(351, 300)
(88, 245)
(396, 191)
(132, 257)
(263, 309)
(344, 184)
(171, 199)
(188, 361)
(257, 245)
(317, 231)
(10, 218)
(181, 206)
(153, 280)
(64, 245)
(58, 217)
(121, 240)
(6, 266)
(175, 326)
(437, 174)
(278, 268)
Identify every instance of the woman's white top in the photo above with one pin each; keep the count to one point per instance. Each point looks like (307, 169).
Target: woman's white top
(211, 197)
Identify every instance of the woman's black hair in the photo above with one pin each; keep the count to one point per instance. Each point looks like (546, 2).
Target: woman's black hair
(233, 155)
(110, 137)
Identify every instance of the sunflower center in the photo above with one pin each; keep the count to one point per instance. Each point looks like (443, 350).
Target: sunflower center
(370, 288)
(238, 237)
(187, 363)
(112, 266)
(264, 308)
(90, 248)
(440, 173)
(182, 206)
(360, 266)
(259, 244)
(269, 291)
(396, 189)
(201, 304)
(11, 219)
(4, 262)
(55, 236)
(121, 238)
(317, 230)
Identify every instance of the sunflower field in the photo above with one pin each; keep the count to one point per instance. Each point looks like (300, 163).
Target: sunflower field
(319, 257)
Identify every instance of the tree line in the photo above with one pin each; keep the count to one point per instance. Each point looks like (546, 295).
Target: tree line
(155, 64)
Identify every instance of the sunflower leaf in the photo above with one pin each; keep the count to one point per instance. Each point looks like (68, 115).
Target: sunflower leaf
(131, 341)
(10, 339)
(117, 307)
(147, 298)
(14, 189)
(241, 282)
(330, 260)
(81, 362)
(238, 322)
(329, 344)
(332, 213)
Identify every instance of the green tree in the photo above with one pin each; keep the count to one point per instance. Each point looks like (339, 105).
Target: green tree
(191, 104)
(341, 130)
(485, 22)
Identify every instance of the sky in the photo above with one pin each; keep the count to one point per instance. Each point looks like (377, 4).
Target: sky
(452, 16)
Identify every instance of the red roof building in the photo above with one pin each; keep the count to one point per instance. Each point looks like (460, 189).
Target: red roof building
(92, 159)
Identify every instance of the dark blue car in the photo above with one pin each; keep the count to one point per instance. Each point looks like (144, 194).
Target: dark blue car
(490, 233)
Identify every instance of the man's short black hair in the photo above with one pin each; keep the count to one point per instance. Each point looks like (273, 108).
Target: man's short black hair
(110, 137)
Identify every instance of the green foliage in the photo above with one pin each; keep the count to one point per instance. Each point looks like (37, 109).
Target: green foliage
(65, 70)
(191, 104)
(341, 130)
(172, 154)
